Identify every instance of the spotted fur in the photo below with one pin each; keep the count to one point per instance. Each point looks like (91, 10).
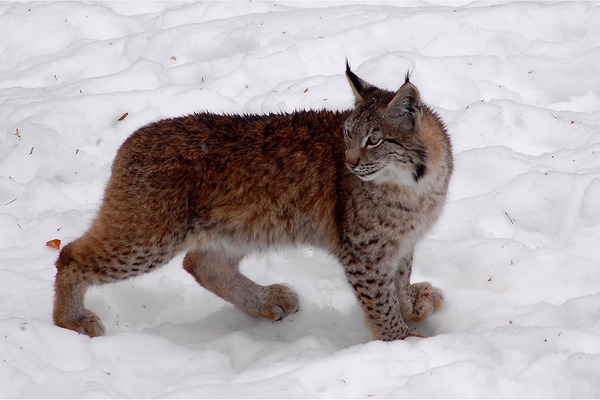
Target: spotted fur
(365, 185)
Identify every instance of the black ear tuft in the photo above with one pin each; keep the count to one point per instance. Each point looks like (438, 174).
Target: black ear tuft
(359, 87)
(407, 76)
(348, 67)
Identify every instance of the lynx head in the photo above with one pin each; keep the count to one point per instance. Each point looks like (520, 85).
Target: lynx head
(382, 135)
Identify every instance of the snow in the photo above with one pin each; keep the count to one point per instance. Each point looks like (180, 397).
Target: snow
(516, 250)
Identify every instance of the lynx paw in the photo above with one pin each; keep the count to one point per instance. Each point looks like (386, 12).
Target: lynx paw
(395, 334)
(280, 301)
(90, 325)
(415, 333)
(427, 300)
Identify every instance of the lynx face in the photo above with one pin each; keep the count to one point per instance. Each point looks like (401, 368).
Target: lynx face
(382, 138)
(384, 155)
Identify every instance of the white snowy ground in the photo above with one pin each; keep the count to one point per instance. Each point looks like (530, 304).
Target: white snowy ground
(517, 250)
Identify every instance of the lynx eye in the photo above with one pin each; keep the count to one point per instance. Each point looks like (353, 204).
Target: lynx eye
(347, 133)
(373, 141)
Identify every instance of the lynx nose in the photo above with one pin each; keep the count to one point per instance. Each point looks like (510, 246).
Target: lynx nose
(351, 161)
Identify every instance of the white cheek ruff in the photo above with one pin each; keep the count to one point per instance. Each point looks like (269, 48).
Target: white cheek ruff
(392, 174)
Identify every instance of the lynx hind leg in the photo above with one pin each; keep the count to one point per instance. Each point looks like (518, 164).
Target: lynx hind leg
(72, 280)
(218, 272)
(87, 262)
(424, 300)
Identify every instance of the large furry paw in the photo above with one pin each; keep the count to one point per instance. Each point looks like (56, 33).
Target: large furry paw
(279, 302)
(427, 300)
(415, 333)
(89, 325)
(397, 332)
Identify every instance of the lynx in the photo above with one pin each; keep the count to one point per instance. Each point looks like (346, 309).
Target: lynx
(365, 185)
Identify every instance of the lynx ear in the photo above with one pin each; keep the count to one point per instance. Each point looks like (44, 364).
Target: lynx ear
(358, 85)
(406, 106)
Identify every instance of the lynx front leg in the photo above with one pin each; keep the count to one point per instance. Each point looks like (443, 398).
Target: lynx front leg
(418, 300)
(379, 297)
(218, 272)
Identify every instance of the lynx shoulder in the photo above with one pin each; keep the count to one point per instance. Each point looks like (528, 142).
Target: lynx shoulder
(364, 185)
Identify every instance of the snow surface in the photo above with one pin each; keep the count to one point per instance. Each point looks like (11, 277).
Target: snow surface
(516, 251)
